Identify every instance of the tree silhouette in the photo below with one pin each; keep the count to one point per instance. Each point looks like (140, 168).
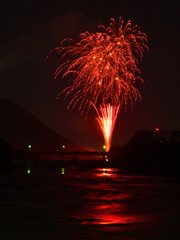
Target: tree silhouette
(6, 156)
(137, 154)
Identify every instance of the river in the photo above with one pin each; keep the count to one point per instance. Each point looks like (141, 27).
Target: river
(88, 204)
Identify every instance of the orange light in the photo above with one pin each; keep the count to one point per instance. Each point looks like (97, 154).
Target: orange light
(100, 82)
(157, 129)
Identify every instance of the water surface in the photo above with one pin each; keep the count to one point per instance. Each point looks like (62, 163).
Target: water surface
(88, 204)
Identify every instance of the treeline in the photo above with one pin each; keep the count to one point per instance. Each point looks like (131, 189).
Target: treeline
(144, 154)
(147, 155)
(6, 157)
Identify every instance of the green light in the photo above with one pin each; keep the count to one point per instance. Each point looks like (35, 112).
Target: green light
(62, 170)
(104, 147)
(28, 171)
(63, 146)
(29, 146)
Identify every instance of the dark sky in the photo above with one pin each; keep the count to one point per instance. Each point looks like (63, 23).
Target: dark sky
(31, 28)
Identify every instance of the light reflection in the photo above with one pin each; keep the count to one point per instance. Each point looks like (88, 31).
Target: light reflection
(107, 201)
(110, 206)
(104, 172)
(110, 213)
(109, 196)
(111, 219)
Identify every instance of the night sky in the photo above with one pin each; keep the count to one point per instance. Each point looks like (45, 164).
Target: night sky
(31, 28)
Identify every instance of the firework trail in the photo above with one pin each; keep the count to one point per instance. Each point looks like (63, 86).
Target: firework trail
(107, 116)
(103, 68)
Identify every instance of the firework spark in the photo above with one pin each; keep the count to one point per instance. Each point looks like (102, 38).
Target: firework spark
(103, 69)
(102, 65)
(107, 116)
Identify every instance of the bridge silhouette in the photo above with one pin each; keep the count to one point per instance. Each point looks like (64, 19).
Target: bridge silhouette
(68, 155)
(95, 153)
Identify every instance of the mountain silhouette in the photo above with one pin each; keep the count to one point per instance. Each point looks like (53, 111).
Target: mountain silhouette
(20, 129)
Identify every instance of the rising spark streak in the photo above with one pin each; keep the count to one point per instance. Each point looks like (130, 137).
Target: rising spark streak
(107, 116)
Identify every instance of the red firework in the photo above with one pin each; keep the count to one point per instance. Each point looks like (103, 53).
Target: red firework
(102, 65)
(107, 116)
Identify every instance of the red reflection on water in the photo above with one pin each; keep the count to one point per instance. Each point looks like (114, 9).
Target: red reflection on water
(113, 219)
(110, 196)
(112, 213)
(108, 210)
(104, 171)
(108, 200)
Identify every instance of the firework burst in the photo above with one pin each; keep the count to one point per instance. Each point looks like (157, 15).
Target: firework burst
(102, 65)
(102, 68)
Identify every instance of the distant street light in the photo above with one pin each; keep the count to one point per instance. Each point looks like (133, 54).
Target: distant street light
(63, 147)
(29, 147)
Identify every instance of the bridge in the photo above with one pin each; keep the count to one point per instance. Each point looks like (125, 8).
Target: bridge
(75, 153)
(68, 155)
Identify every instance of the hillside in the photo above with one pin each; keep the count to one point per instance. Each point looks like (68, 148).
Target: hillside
(20, 128)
